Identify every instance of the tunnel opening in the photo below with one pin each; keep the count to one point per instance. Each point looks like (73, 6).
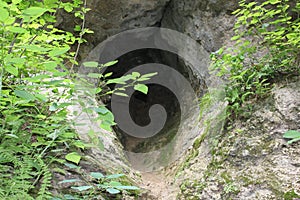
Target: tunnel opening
(140, 103)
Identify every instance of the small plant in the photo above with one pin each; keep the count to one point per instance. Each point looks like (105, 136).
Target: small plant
(293, 135)
(267, 41)
(97, 183)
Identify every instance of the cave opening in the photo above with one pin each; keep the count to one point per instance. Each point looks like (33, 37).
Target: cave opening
(140, 103)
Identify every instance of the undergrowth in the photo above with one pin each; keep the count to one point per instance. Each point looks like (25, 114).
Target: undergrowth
(266, 47)
(37, 83)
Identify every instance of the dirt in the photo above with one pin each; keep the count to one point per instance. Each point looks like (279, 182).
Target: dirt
(159, 186)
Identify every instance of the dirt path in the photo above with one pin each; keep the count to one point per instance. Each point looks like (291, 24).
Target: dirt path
(160, 187)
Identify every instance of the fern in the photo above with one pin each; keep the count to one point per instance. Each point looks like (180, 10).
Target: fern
(45, 182)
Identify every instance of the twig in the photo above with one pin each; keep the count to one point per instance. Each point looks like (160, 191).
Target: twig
(80, 38)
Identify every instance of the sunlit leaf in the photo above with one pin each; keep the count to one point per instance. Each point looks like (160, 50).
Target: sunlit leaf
(34, 11)
(136, 74)
(90, 64)
(3, 14)
(73, 157)
(126, 187)
(121, 94)
(112, 176)
(291, 134)
(24, 95)
(149, 75)
(58, 51)
(15, 29)
(12, 70)
(97, 175)
(112, 191)
(94, 75)
(71, 166)
(69, 181)
(103, 110)
(142, 88)
(110, 63)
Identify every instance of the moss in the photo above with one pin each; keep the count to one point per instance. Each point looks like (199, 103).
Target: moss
(191, 189)
(198, 141)
(194, 153)
(290, 195)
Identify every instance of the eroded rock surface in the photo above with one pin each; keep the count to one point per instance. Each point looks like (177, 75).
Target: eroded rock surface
(208, 22)
(108, 18)
(252, 160)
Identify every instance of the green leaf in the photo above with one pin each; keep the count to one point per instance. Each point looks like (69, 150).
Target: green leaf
(149, 75)
(16, 1)
(108, 74)
(71, 166)
(68, 7)
(114, 183)
(34, 11)
(112, 191)
(98, 90)
(79, 144)
(58, 51)
(97, 175)
(82, 188)
(38, 78)
(294, 140)
(126, 187)
(110, 63)
(12, 135)
(24, 95)
(35, 48)
(291, 134)
(100, 143)
(73, 157)
(12, 70)
(108, 116)
(53, 107)
(121, 94)
(116, 81)
(15, 29)
(15, 60)
(3, 14)
(112, 176)
(77, 28)
(106, 126)
(90, 64)
(103, 110)
(136, 74)
(50, 65)
(41, 97)
(69, 181)
(94, 75)
(142, 88)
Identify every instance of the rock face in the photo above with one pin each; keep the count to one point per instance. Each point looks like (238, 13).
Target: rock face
(108, 18)
(208, 22)
(252, 160)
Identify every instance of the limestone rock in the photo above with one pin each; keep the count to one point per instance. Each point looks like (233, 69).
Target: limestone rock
(209, 22)
(253, 161)
(108, 18)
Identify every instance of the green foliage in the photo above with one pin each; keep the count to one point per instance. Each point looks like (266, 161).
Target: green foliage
(96, 182)
(293, 135)
(37, 83)
(32, 116)
(267, 41)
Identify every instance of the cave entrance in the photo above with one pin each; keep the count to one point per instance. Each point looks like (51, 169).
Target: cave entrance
(140, 103)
